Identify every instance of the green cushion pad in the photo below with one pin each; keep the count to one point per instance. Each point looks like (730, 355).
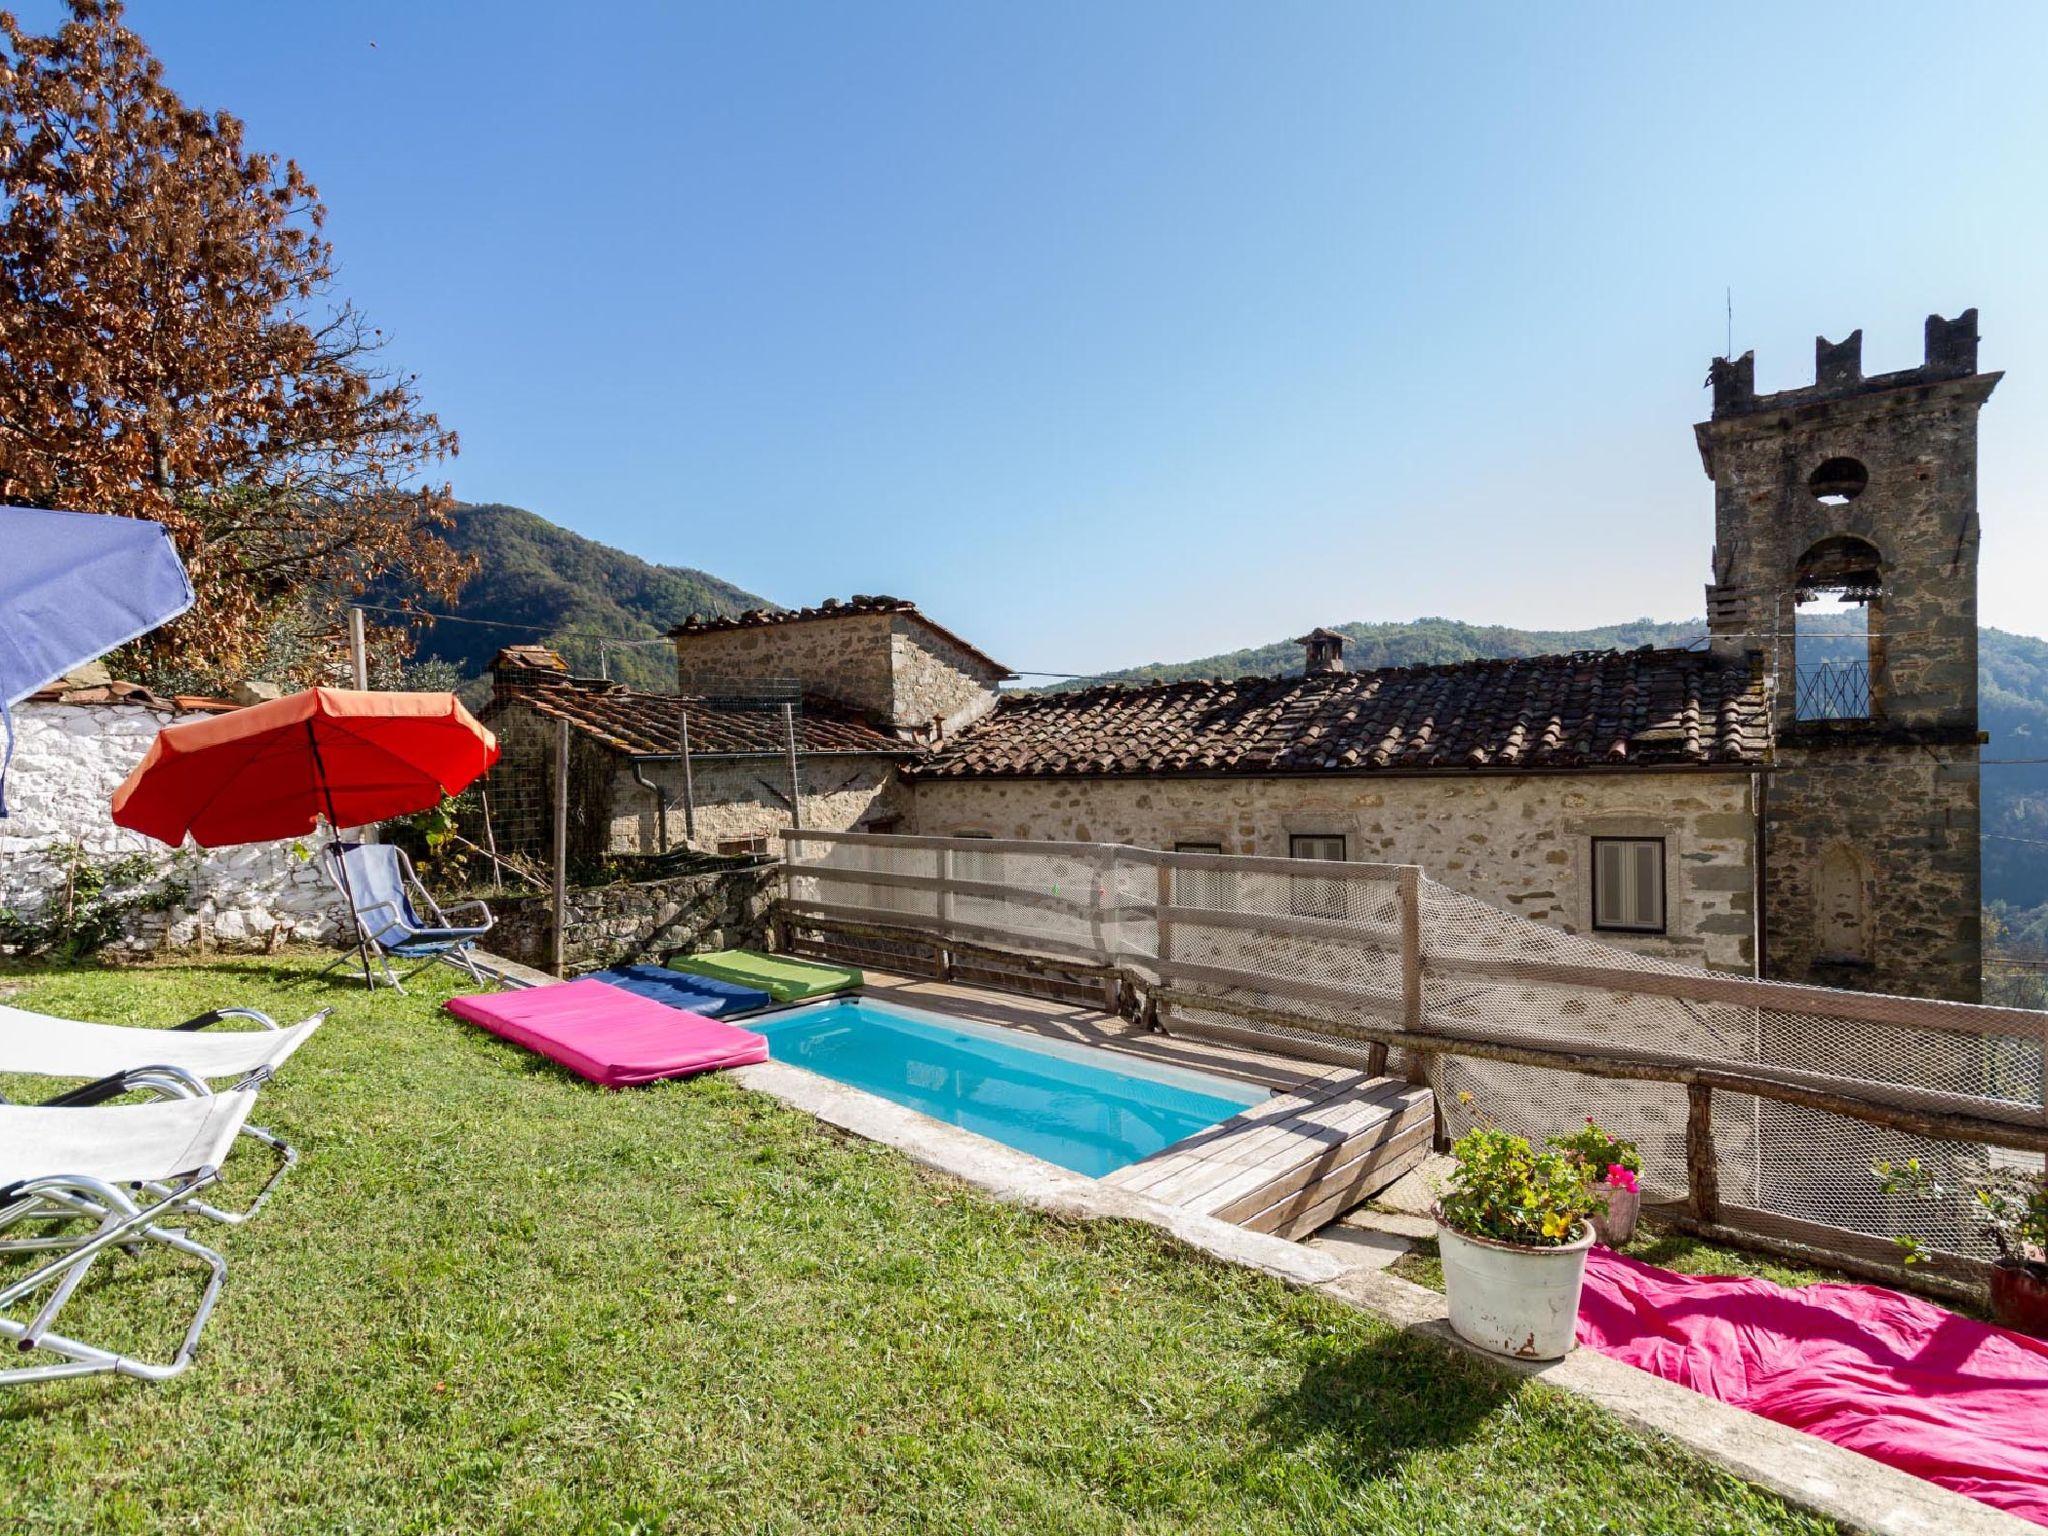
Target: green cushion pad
(784, 979)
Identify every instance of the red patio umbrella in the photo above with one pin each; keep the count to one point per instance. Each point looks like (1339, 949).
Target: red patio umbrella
(272, 770)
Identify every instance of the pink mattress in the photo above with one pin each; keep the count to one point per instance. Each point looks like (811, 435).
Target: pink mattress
(1958, 1402)
(610, 1035)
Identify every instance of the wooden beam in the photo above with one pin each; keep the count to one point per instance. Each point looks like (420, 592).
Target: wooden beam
(559, 885)
(1702, 1168)
(1839, 1096)
(1861, 1254)
(1776, 996)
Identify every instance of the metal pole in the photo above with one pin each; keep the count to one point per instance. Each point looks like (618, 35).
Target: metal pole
(358, 650)
(561, 884)
(689, 785)
(796, 787)
(334, 849)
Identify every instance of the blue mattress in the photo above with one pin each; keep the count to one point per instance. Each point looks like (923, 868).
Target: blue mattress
(692, 994)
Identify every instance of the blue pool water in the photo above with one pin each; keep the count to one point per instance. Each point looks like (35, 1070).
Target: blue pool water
(1071, 1105)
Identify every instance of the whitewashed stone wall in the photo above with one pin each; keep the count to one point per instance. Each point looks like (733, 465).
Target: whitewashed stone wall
(1522, 843)
(68, 760)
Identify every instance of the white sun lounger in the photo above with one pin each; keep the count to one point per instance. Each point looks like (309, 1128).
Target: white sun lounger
(170, 1062)
(66, 1164)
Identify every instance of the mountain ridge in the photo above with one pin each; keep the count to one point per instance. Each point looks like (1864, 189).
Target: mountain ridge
(540, 583)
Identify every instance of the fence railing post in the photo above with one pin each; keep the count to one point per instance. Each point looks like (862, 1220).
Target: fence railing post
(561, 869)
(1102, 922)
(942, 908)
(1408, 893)
(1702, 1173)
(1162, 919)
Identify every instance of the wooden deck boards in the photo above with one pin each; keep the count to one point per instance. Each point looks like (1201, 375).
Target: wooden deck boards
(1327, 1139)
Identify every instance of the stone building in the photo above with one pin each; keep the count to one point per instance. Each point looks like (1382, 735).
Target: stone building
(1864, 489)
(752, 768)
(878, 655)
(1610, 791)
(1799, 798)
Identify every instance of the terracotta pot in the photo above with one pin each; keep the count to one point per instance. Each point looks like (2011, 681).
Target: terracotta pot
(1510, 1299)
(1615, 1225)
(2019, 1298)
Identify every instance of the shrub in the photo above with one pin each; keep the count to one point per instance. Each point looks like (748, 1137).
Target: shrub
(2011, 1206)
(1600, 1151)
(91, 907)
(1508, 1191)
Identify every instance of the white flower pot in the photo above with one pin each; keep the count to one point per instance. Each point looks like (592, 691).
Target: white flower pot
(1513, 1300)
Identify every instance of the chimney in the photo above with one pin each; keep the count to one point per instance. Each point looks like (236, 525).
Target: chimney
(1325, 652)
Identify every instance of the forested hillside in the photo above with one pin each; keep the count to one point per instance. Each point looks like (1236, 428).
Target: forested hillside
(2012, 672)
(537, 582)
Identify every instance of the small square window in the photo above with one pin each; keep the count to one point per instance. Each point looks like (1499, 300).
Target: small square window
(1201, 887)
(744, 847)
(1316, 898)
(1628, 884)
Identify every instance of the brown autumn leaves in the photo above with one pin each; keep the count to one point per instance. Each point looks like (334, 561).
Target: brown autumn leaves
(170, 348)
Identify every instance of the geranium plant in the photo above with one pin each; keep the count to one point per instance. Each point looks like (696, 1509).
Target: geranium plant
(1509, 1192)
(1609, 1158)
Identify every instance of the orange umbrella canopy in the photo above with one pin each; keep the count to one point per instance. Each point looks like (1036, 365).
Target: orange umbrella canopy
(272, 770)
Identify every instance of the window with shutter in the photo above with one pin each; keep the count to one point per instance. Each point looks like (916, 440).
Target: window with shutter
(1628, 884)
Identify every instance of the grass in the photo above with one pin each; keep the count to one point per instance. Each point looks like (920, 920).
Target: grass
(494, 1298)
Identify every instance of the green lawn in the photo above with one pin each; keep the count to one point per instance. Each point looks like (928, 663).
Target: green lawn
(495, 1298)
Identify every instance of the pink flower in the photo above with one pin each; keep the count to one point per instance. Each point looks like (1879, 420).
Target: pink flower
(1621, 1178)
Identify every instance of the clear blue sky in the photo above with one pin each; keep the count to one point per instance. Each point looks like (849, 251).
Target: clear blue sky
(1125, 332)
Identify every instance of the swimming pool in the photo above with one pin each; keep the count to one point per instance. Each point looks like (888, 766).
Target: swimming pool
(1072, 1105)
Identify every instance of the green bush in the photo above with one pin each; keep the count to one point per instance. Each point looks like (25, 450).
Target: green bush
(91, 907)
(1599, 1150)
(1508, 1191)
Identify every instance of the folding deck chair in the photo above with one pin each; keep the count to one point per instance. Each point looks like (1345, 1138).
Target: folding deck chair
(171, 1062)
(60, 1166)
(385, 900)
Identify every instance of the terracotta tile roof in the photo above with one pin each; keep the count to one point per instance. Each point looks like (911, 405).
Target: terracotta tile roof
(831, 608)
(1642, 708)
(134, 694)
(648, 724)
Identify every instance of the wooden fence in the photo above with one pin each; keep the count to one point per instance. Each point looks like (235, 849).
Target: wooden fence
(1368, 964)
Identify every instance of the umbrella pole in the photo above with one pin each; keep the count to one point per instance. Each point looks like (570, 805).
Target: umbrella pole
(340, 864)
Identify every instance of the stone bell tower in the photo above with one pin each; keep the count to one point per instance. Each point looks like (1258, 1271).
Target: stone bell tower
(1845, 560)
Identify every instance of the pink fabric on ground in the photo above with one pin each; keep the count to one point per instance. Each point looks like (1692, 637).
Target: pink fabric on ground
(610, 1035)
(1958, 1402)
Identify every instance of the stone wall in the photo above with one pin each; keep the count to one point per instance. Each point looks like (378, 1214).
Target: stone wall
(747, 797)
(1522, 843)
(68, 760)
(1871, 869)
(892, 666)
(936, 678)
(847, 658)
(613, 924)
(1870, 483)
